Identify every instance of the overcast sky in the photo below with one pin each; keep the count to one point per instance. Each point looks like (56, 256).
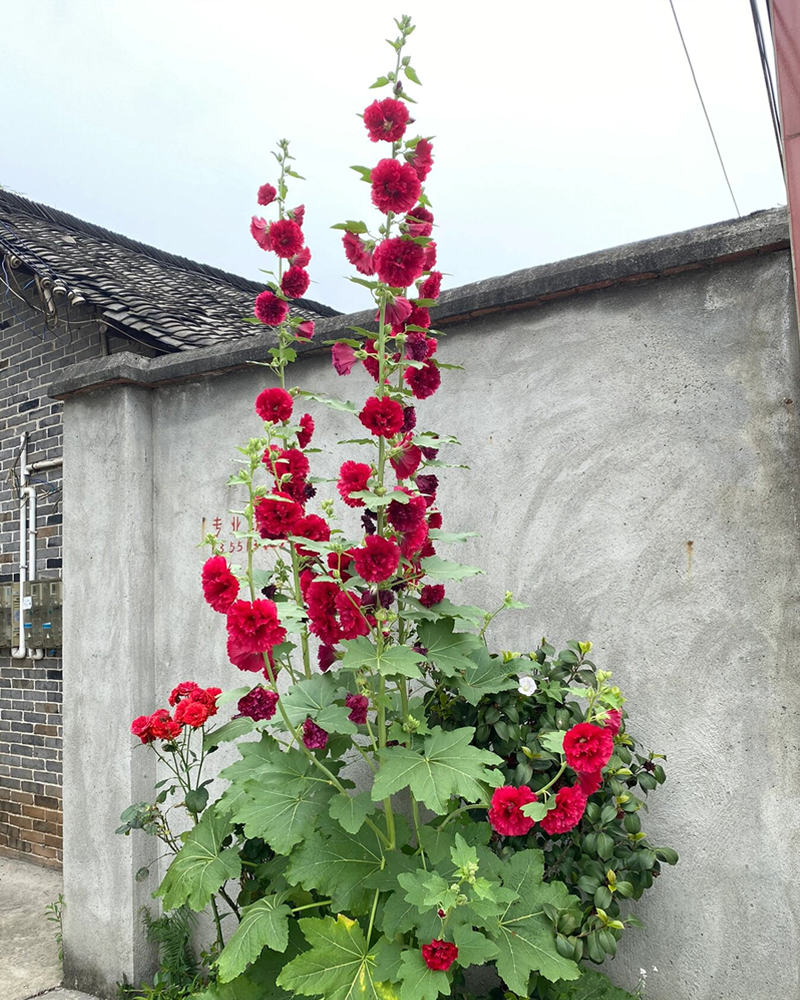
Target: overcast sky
(562, 126)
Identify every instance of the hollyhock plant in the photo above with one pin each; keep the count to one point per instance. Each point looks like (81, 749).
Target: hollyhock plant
(295, 282)
(306, 430)
(258, 704)
(266, 194)
(587, 747)
(377, 560)
(220, 586)
(286, 238)
(274, 405)
(399, 262)
(506, 814)
(254, 625)
(269, 309)
(382, 416)
(276, 515)
(395, 187)
(569, 809)
(439, 955)
(386, 120)
(497, 798)
(353, 478)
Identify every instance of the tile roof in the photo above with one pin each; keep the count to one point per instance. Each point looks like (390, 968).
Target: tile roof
(171, 300)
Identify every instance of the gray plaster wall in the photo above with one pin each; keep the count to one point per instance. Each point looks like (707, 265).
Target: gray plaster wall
(634, 475)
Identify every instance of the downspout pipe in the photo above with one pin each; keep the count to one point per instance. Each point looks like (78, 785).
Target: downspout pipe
(21, 651)
(34, 654)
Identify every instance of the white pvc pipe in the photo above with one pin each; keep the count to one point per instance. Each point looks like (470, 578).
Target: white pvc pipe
(21, 651)
(34, 654)
(50, 463)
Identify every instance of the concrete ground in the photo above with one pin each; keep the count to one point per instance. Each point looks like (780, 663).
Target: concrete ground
(28, 951)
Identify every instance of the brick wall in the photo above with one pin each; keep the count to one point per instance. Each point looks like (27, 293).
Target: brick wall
(31, 691)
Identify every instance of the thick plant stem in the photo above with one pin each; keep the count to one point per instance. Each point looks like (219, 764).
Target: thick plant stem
(414, 806)
(217, 923)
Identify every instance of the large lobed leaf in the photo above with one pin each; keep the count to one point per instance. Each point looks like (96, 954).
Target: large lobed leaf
(523, 933)
(338, 865)
(447, 766)
(265, 924)
(338, 965)
(201, 866)
(281, 797)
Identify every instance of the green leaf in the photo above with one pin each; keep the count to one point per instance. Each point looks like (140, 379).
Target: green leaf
(314, 698)
(448, 766)
(351, 226)
(553, 741)
(485, 674)
(337, 866)
(388, 955)
(590, 986)
(365, 172)
(474, 948)
(412, 75)
(233, 694)
(338, 965)
(418, 981)
(265, 924)
(449, 651)
(230, 731)
(442, 569)
(196, 800)
(524, 934)
(380, 82)
(535, 811)
(451, 537)
(330, 401)
(350, 811)
(259, 981)
(283, 800)
(201, 866)
(667, 855)
(361, 654)
(400, 916)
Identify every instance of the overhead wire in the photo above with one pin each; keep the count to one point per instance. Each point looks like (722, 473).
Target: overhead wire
(768, 81)
(703, 105)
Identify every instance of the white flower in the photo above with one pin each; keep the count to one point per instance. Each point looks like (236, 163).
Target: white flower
(527, 686)
(655, 969)
(643, 973)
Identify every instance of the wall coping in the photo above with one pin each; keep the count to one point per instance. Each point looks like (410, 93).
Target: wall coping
(761, 232)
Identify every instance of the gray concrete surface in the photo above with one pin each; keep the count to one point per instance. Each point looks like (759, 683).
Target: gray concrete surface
(633, 460)
(61, 994)
(109, 665)
(28, 950)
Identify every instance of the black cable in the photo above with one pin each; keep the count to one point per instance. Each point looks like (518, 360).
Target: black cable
(703, 105)
(768, 82)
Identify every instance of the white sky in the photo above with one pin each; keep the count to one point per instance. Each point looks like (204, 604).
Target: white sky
(562, 126)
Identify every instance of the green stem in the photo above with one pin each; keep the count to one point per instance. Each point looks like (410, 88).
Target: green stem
(552, 781)
(365, 755)
(217, 923)
(414, 806)
(311, 906)
(372, 916)
(457, 812)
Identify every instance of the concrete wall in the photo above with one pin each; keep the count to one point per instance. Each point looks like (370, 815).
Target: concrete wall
(633, 460)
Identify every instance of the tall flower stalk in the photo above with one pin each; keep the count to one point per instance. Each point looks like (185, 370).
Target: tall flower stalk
(390, 890)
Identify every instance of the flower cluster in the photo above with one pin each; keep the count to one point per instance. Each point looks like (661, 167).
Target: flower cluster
(193, 707)
(284, 238)
(587, 750)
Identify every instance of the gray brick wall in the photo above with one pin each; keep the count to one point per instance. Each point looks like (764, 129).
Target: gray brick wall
(31, 691)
